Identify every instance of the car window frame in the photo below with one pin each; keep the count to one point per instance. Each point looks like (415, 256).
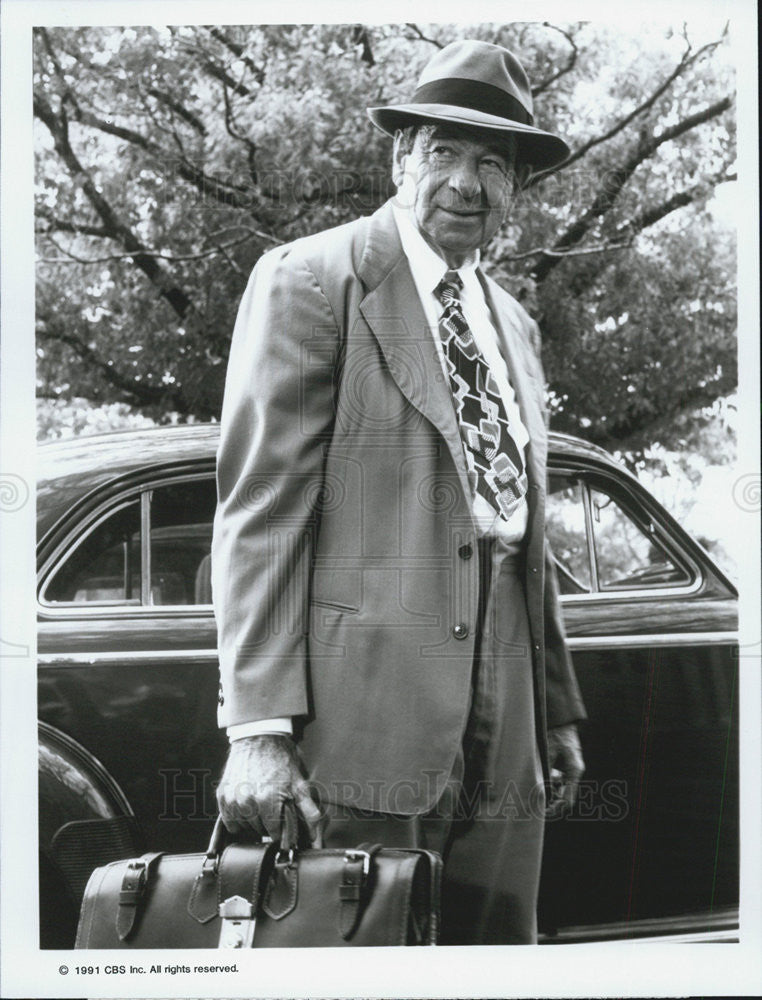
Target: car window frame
(642, 509)
(81, 531)
(633, 498)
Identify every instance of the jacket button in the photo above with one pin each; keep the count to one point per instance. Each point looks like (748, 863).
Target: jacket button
(534, 569)
(537, 647)
(460, 631)
(221, 698)
(466, 551)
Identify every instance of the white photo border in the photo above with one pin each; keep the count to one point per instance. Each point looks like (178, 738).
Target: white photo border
(621, 969)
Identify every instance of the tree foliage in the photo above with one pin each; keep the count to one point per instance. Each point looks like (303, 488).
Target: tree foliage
(169, 160)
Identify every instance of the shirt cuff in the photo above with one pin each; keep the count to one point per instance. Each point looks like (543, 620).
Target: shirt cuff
(282, 726)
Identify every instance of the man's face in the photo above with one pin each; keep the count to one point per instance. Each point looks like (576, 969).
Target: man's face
(460, 187)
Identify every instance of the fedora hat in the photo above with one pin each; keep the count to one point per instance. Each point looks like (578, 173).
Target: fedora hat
(478, 84)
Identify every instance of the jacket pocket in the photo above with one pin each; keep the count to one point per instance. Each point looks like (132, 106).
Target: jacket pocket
(335, 606)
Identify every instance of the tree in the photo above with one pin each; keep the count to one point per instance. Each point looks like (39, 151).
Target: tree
(169, 160)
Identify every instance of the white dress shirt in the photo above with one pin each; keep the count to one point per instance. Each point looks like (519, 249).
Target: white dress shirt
(428, 269)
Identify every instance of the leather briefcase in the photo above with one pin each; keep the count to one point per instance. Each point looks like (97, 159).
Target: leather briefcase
(258, 895)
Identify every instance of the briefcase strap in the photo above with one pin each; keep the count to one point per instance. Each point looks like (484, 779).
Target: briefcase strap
(134, 885)
(243, 871)
(283, 888)
(427, 930)
(353, 890)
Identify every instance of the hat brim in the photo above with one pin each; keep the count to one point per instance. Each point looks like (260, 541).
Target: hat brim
(541, 150)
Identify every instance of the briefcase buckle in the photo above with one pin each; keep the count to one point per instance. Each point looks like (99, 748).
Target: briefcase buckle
(355, 855)
(133, 882)
(238, 920)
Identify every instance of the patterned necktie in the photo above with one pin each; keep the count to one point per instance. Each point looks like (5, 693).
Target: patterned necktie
(495, 465)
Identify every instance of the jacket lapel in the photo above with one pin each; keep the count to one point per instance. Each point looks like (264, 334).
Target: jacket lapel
(394, 313)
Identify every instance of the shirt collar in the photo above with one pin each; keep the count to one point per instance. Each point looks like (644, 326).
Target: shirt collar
(425, 262)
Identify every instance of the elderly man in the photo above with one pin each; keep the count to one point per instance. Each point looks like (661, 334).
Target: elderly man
(390, 637)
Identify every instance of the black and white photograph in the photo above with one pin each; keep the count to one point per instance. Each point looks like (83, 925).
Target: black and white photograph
(380, 495)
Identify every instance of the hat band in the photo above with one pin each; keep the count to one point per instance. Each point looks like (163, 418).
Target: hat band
(475, 95)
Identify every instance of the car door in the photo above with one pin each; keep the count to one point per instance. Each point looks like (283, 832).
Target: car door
(652, 844)
(127, 648)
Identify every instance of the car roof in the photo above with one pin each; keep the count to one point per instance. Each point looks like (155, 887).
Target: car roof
(70, 468)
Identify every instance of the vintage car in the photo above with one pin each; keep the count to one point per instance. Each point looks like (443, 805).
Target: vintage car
(130, 751)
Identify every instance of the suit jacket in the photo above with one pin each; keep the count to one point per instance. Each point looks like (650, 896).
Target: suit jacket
(345, 564)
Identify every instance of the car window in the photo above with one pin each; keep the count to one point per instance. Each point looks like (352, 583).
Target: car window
(600, 546)
(153, 550)
(181, 539)
(625, 555)
(105, 567)
(567, 533)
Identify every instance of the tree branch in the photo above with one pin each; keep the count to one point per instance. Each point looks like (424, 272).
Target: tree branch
(222, 250)
(251, 147)
(223, 192)
(118, 230)
(686, 61)
(72, 258)
(617, 178)
(577, 252)
(420, 35)
(68, 94)
(68, 225)
(238, 52)
(636, 424)
(361, 37)
(49, 330)
(655, 213)
(584, 280)
(180, 110)
(570, 63)
(216, 71)
(164, 98)
(227, 194)
(160, 127)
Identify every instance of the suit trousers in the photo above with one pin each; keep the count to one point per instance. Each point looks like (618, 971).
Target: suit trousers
(488, 824)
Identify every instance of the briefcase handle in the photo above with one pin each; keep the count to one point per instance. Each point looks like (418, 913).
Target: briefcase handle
(217, 844)
(208, 888)
(289, 840)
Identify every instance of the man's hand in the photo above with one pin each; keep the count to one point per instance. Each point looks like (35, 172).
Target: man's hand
(262, 775)
(566, 768)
